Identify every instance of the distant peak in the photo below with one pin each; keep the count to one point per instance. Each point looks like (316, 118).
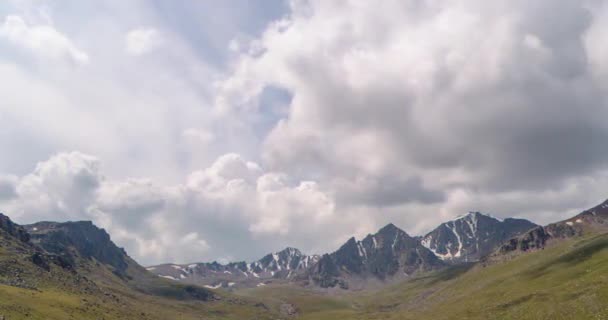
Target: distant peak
(473, 214)
(390, 228)
(476, 214)
(350, 242)
(290, 251)
(54, 225)
(80, 223)
(86, 222)
(13, 229)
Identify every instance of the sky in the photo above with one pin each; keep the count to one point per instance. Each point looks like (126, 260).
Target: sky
(224, 130)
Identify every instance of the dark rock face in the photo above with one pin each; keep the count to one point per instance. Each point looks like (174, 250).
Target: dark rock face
(39, 260)
(562, 230)
(389, 253)
(70, 240)
(326, 273)
(13, 229)
(38, 256)
(533, 239)
(471, 237)
(537, 238)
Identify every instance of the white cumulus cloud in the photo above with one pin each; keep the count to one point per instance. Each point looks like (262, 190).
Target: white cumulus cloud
(330, 121)
(43, 40)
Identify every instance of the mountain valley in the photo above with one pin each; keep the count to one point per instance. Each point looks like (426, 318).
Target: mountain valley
(474, 266)
(386, 256)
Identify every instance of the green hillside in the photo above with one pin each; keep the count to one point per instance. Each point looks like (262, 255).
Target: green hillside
(28, 291)
(568, 280)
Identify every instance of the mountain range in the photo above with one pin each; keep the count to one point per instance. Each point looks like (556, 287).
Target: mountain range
(388, 255)
(285, 264)
(74, 271)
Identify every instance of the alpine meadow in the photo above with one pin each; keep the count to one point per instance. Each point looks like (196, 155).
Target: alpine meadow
(304, 160)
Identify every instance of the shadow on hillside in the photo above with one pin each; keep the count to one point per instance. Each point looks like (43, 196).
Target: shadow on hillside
(147, 283)
(446, 274)
(521, 300)
(579, 254)
(452, 272)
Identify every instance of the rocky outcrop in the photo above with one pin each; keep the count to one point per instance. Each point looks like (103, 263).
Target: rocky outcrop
(13, 229)
(533, 239)
(73, 240)
(594, 219)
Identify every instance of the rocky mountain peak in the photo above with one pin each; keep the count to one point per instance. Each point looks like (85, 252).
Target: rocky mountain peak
(391, 230)
(292, 251)
(349, 243)
(472, 236)
(390, 252)
(78, 239)
(13, 229)
(474, 216)
(597, 216)
(289, 252)
(288, 259)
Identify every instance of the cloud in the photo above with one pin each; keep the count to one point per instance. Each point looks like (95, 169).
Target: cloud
(285, 208)
(454, 95)
(129, 199)
(385, 191)
(202, 136)
(142, 40)
(51, 106)
(7, 187)
(214, 211)
(42, 40)
(327, 122)
(63, 186)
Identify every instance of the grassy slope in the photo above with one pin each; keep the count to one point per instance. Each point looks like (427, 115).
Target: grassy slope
(61, 295)
(49, 303)
(566, 281)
